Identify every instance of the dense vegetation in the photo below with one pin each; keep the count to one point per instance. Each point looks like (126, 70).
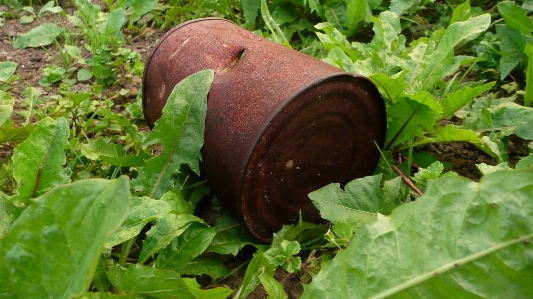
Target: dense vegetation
(87, 210)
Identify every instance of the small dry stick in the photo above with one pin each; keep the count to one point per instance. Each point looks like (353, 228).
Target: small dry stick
(407, 180)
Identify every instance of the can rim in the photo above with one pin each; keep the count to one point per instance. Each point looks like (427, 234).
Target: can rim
(379, 100)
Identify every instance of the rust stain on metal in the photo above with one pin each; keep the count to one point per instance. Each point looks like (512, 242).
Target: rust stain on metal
(279, 124)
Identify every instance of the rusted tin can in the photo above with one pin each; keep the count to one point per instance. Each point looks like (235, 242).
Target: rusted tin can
(279, 123)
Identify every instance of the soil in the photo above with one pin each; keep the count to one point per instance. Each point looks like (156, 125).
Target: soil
(31, 62)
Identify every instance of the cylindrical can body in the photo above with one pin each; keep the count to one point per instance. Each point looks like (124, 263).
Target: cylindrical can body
(279, 124)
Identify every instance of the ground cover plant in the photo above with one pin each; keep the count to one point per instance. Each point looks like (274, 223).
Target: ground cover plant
(95, 205)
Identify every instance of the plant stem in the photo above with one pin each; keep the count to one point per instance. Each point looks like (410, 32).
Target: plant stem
(407, 180)
(126, 251)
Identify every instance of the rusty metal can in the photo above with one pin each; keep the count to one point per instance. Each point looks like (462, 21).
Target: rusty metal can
(279, 124)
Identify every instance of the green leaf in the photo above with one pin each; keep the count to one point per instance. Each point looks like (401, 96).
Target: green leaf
(6, 107)
(409, 115)
(277, 33)
(506, 116)
(461, 12)
(515, 17)
(462, 239)
(150, 281)
(273, 288)
(84, 74)
(525, 130)
(10, 133)
(72, 51)
(400, 6)
(231, 236)
(432, 172)
(357, 11)
(359, 202)
(38, 161)
(198, 293)
(140, 8)
(258, 265)
(528, 96)
(39, 36)
(52, 249)
(112, 154)
(283, 255)
(113, 24)
(166, 229)
(7, 69)
(209, 265)
(391, 86)
(191, 243)
(433, 67)
(142, 211)
(525, 163)
(181, 133)
(457, 99)
(512, 47)
(486, 169)
(250, 9)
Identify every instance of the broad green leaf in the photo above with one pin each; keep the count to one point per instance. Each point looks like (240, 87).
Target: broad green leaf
(40, 36)
(7, 69)
(409, 115)
(5, 218)
(166, 229)
(357, 12)
(333, 38)
(277, 33)
(486, 169)
(391, 86)
(400, 6)
(250, 9)
(140, 8)
(142, 211)
(72, 51)
(84, 74)
(525, 163)
(462, 239)
(461, 12)
(198, 293)
(191, 243)
(360, 201)
(273, 287)
(38, 161)
(316, 6)
(212, 265)
(515, 17)
(112, 154)
(52, 249)
(302, 232)
(6, 107)
(113, 25)
(258, 265)
(433, 67)
(149, 281)
(457, 99)
(231, 236)
(181, 133)
(506, 117)
(15, 134)
(512, 47)
(528, 96)
(525, 130)
(451, 133)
